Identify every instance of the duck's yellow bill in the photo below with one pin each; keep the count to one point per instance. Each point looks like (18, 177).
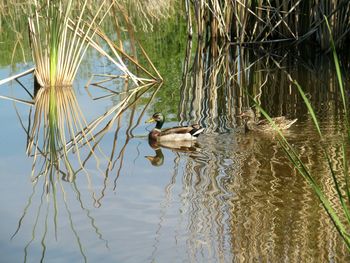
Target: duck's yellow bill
(150, 120)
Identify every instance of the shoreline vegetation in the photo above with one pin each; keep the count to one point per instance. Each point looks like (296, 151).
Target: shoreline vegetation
(235, 22)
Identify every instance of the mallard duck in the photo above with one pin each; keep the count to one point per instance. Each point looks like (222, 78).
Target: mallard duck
(182, 133)
(253, 124)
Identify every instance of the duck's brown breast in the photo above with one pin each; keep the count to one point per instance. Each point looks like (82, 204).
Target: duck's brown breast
(154, 134)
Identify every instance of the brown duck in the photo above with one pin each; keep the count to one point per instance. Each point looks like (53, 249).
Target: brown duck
(253, 124)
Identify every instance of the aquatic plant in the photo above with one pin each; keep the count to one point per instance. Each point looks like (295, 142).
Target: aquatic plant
(59, 41)
(60, 36)
(258, 22)
(145, 13)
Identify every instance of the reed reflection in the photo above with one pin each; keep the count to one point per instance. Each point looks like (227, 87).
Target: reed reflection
(243, 200)
(48, 135)
(216, 81)
(54, 123)
(69, 150)
(48, 211)
(117, 120)
(277, 213)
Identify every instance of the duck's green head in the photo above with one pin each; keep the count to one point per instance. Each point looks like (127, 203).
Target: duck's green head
(158, 118)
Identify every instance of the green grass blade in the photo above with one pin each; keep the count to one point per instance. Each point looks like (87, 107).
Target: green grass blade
(337, 187)
(324, 200)
(346, 172)
(309, 107)
(335, 180)
(339, 77)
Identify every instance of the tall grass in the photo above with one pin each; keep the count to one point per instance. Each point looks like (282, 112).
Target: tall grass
(59, 39)
(12, 20)
(146, 13)
(60, 36)
(239, 21)
(272, 21)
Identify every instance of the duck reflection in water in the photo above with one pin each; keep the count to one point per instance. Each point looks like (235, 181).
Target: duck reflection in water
(158, 159)
(178, 146)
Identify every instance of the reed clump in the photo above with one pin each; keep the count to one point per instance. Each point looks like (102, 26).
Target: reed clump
(147, 12)
(59, 39)
(271, 21)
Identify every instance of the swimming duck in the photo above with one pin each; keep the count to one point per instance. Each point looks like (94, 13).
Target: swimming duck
(253, 124)
(182, 133)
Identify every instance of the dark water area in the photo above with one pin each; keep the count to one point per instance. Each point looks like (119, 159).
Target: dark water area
(230, 197)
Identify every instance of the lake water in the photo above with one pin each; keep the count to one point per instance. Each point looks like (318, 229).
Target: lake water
(230, 197)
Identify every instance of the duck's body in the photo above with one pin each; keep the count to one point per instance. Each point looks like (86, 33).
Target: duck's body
(252, 124)
(182, 133)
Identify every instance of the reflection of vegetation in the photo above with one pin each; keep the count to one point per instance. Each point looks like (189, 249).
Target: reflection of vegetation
(165, 47)
(103, 124)
(273, 208)
(213, 93)
(71, 126)
(207, 86)
(49, 139)
(240, 198)
(41, 220)
(214, 81)
(339, 213)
